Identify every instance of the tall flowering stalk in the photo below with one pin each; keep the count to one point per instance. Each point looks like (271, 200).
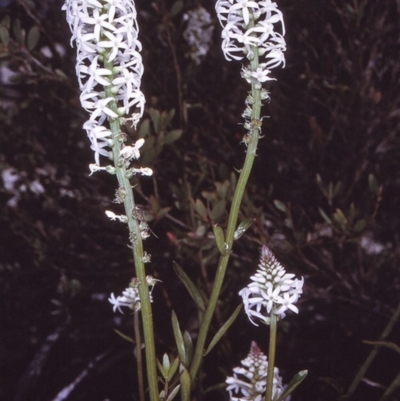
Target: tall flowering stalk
(270, 294)
(109, 70)
(253, 30)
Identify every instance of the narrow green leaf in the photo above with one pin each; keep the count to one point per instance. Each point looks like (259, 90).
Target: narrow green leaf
(192, 289)
(4, 35)
(359, 226)
(60, 73)
(188, 347)
(386, 344)
(33, 38)
(172, 136)
(178, 338)
(170, 116)
(173, 393)
(325, 216)
(280, 205)
(296, 380)
(219, 239)
(340, 218)
(373, 184)
(223, 329)
(19, 33)
(176, 8)
(155, 118)
(144, 128)
(162, 368)
(201, 209)
(173, 369)
(124, 336)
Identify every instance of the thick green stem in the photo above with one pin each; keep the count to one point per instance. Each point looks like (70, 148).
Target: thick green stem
(271, 356)
(137, 248)
(232, 220)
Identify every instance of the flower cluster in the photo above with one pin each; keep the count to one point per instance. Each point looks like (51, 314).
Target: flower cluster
(198, 33)
(130, 296)
(249, 380)
(109, 66)
(248, 27)
(271, 290)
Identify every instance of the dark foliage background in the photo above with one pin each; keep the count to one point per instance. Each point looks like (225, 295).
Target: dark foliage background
(324, 194)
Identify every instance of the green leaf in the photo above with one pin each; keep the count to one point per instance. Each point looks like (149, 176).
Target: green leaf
(280, 205)
(223, 329)
(340, 218)
(155, 118)
(243, 226)
(173, 369)
(296, 380)
(4, 35)
(325, 216)
(188, 347)
(176, 9)
(144, 128)
(201, 209)
(219, 239)
(33, 38)
(373, 184)
(19, 33)
(386, 344)
(218, 209)
(359, 226)
(124, 336)
(178, 338)
(192, 289)
(60, 73)
(173, 393)
(164, 367)
(172, 136)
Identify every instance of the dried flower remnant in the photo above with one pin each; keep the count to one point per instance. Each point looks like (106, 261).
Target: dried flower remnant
(248, 382)
(271, 290)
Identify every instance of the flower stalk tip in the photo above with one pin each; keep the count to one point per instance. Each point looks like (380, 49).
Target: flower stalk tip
(271, 290)
(248, 382)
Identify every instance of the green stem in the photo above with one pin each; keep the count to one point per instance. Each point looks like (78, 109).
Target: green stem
(232, 221)
(137, 248)
(271, 355)
(138, 355)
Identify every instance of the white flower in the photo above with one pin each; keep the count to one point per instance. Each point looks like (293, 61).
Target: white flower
(242, 39)
(249, 381)
(271, 290)
(130, 296)
(106, 36)
(112, 216)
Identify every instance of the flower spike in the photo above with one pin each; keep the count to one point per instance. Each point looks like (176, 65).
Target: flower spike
(271, 290)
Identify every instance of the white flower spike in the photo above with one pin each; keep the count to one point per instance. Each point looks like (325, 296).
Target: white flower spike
(248, 382)
(271, 290)
(106, 36)
(250, 26)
